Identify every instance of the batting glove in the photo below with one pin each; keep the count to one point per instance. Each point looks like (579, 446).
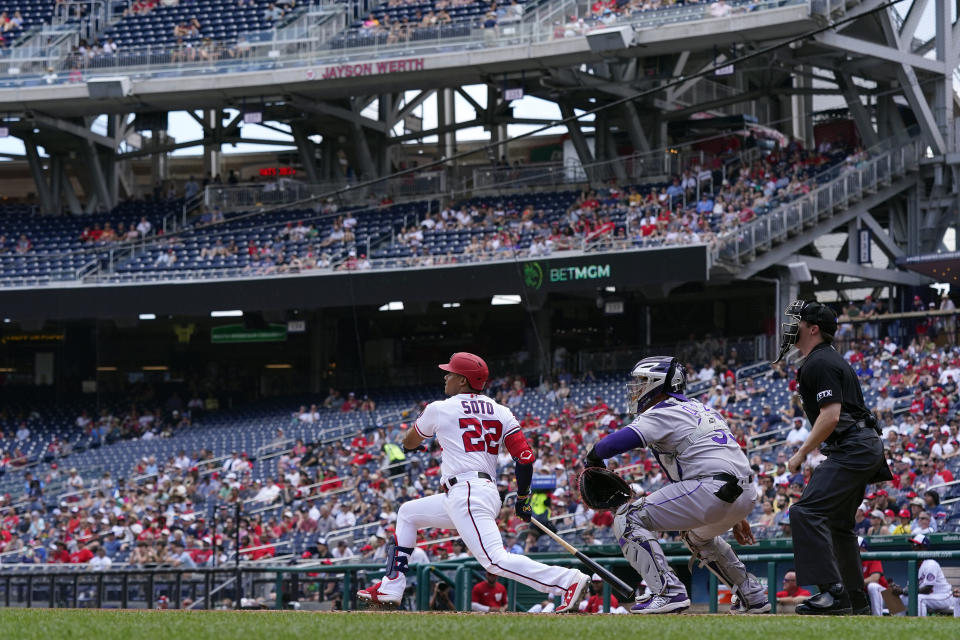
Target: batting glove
(524, 512)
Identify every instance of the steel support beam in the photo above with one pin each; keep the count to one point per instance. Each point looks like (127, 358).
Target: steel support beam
(307, 151)
(577, 137)
(860, 116)
(98, 178)
(39, 179)
(634, 127)
(792, 245)
(910, 24)
(74, 129)
(871, 274)
(856, 46)
(73, 203)
(918, 102)
(882, 238)
(409, 106)
(341, 113)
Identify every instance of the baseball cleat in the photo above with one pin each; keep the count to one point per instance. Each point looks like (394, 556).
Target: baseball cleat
(573, 594)
(663, 604)
(375, 595)
(741, 607)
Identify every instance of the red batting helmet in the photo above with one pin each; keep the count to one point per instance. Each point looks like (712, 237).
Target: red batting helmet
(471, 367)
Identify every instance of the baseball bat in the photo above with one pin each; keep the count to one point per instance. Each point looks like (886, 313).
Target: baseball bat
(622, 588)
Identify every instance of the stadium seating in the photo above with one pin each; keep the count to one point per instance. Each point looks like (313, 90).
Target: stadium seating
(264, 232)
(34, 13)
(254, 431)
(220, 20)
(58, 252)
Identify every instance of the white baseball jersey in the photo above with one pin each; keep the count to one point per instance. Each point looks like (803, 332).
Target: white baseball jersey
(706, 446)
(470, 428)
(931, 574)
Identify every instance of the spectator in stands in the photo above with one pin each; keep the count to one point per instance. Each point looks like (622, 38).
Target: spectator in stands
(440, 600)
(100, 561)
(903, 526)
(273, 12)
(144, 227)
(877, 525)
(792, 594)
(23, 245)
(490, 31)
(488, 596)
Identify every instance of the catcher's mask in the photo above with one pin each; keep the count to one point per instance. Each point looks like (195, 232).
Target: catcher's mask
(814, 313)
(652, 376)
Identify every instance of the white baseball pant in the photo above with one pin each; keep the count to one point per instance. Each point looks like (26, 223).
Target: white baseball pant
(929, 602)
(874, 592)
(471, 507)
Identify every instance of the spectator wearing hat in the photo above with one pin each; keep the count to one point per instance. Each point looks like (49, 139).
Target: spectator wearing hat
(877, 525)
(903, 526)
(916, 508)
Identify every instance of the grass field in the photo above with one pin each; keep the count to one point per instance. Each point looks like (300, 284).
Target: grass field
(40, 624)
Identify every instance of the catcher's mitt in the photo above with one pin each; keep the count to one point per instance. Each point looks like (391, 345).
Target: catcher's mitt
(602, 489)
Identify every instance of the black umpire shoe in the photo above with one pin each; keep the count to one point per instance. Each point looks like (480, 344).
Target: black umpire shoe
(859, 603)
(833, 600)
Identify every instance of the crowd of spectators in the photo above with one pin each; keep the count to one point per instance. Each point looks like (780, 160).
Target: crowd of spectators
(671, 214)
(22, 245)
(605, 13)
(336, 501)
(106, 234)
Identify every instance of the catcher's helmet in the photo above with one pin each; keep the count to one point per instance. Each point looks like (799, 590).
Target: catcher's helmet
(652, 376)
(471, 367)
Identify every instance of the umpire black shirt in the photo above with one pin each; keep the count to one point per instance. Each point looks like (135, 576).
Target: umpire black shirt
(824, 378)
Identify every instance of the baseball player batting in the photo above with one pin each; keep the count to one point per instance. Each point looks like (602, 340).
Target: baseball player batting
(711, 489)
(471, 429)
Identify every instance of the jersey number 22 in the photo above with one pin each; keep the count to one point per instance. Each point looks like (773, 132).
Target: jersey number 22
(481, 435)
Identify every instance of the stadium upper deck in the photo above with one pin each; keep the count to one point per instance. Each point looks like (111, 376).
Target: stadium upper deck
(307, 59)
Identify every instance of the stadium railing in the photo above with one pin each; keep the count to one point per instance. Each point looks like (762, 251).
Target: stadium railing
(140, 587)
(260, 51)
(242, 197)
(846, 185)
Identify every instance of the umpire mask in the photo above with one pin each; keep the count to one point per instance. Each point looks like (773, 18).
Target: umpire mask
(814, 313)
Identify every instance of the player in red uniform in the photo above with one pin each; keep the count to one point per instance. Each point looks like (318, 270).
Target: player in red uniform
(488, 595)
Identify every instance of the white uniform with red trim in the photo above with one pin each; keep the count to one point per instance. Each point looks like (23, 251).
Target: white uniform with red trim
(471, 428)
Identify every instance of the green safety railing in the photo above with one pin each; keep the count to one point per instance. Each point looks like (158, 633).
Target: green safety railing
(467, 571)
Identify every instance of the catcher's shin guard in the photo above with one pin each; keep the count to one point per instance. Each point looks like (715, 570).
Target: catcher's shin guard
(642, 551)
(721, 560)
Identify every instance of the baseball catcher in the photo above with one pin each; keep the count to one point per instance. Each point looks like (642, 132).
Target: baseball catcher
(711, 490)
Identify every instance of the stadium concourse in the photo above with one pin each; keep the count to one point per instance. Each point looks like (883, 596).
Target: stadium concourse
(146, 482)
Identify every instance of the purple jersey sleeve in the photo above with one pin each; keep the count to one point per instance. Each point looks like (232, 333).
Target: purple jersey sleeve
(618, 442)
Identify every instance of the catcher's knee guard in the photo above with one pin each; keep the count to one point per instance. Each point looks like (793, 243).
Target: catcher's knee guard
(717, 556)
(641, 549)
